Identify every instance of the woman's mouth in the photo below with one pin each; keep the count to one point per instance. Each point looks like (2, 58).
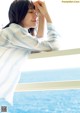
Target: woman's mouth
(34, 21)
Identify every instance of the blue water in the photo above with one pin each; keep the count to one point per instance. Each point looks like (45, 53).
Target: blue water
(55, 101)
(51, 101)
(50, 75)
(65, 101)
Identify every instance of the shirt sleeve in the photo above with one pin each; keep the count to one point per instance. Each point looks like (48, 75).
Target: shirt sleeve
(21, 39)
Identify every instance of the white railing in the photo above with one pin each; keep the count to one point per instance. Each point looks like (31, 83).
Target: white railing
(55, 53)
(59, 85)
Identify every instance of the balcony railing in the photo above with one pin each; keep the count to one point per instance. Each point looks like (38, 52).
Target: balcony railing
(59, 85)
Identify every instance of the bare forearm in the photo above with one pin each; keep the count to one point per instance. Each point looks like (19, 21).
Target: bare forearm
(48, 18)
(40, 31)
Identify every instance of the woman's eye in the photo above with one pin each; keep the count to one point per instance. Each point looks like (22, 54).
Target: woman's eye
(30, 11)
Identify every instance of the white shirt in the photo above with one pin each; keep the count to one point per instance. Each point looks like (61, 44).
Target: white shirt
(15, 44)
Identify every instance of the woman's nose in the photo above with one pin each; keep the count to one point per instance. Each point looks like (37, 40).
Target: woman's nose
(35, 14)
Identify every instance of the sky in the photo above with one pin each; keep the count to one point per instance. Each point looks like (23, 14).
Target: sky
(65, 17)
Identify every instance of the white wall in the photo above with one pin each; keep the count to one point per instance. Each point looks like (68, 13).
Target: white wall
(66, 17)
(4, 6)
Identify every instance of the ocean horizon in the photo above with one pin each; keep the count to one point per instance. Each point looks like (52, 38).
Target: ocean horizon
(49, 101)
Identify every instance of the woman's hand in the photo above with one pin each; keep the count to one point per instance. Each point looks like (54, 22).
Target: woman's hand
(41, 21)
(42, 9)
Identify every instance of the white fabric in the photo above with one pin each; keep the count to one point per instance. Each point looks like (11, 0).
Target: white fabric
(15, 44)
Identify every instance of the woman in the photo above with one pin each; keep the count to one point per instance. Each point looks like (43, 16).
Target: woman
(18, 40)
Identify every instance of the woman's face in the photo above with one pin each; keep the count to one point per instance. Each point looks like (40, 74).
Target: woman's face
(30, 20)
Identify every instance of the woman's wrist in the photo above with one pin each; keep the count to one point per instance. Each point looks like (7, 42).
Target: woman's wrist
(40, 31)
(41, 16)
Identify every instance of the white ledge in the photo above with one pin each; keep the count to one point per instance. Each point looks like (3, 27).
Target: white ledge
(53, 60)
(55, 53)
(71, 61)
(21, 87)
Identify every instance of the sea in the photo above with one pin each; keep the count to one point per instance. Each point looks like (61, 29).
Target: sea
(49, 101)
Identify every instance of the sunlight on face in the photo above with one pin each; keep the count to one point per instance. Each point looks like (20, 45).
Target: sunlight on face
(65, 18)
(30, 19)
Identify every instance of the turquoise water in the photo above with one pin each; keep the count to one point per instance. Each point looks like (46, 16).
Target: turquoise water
(51, 101)
(55, 101)
(50, 75)
(65, 101)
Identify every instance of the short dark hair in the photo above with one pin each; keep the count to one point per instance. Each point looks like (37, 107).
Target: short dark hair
(18, 10)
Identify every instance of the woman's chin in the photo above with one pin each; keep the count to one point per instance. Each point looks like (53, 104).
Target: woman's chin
(34, 26)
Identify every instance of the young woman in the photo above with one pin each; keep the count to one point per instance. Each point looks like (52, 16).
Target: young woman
(18, 40)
